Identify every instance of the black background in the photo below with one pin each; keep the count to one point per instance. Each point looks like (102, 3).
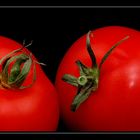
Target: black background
(54, 30)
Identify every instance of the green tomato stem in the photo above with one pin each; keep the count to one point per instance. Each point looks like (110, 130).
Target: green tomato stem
(88, 81)
(21, 63)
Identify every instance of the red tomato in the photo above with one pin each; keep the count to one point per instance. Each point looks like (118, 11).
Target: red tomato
(115, 104)
(30, 109)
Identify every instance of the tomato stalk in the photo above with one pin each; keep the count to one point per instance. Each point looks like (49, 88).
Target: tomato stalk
(88, 80)
(21, 65)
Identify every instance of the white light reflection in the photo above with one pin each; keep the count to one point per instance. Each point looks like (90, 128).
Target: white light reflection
(132, 75)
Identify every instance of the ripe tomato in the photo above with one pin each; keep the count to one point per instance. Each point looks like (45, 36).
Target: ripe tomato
(114, 103)
(34, 108)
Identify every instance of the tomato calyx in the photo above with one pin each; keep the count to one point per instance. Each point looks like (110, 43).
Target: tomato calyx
(88, 80)
(15, 67)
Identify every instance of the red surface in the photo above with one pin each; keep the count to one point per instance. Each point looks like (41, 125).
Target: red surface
(115, 106)
(31, 109)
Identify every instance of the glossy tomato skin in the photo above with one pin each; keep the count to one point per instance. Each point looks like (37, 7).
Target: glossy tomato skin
(30, 109)
(116, 103)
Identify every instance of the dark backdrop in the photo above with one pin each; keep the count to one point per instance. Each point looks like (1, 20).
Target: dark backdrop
(54, 30)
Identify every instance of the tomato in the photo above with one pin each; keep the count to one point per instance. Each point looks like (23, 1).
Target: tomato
(29, 103)
(112, 101)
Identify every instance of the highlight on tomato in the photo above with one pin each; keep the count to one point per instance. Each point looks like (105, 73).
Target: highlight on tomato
(98, 81)
(28, 100)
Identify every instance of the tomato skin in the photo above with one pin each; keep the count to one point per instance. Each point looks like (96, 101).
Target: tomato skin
(30, 109)
(116, 103)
